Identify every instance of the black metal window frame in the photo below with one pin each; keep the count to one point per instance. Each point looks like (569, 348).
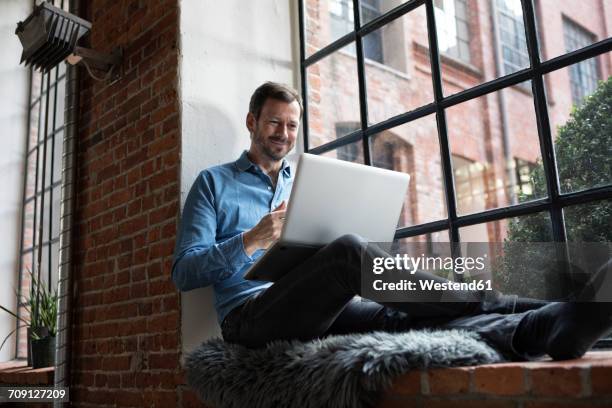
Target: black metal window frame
(47, 185)
(553, 203)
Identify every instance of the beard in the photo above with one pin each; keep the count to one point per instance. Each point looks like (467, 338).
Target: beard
(270, 150)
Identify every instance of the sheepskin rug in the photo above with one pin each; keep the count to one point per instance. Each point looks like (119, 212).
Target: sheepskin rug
(336, 371)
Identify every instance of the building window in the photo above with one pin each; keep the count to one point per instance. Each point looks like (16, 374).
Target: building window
(512, 36)
(42, 185)
(453, 28)
(583, 75)
(342, 22)
(523, 172)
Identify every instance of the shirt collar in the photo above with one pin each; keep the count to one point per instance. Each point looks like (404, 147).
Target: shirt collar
(243, 163)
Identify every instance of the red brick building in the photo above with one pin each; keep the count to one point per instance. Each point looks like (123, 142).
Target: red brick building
(494, 138)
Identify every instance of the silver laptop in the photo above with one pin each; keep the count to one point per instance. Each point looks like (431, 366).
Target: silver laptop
(331, 198)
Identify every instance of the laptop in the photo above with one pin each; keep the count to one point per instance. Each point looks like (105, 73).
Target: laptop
(331, 198)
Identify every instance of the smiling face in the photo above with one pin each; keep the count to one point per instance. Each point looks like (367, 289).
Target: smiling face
(274, 133)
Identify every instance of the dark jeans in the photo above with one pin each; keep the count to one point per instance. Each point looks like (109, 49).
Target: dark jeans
(318, 298)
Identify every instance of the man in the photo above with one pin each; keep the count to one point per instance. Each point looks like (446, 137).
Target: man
(236, 210)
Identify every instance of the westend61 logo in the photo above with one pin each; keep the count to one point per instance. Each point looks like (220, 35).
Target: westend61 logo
(445, 272)
(411, 264)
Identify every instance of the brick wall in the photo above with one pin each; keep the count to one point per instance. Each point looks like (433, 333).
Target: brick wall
(576, 383)
(126, 337)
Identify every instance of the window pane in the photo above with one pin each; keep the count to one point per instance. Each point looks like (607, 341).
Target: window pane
(333, 97)
(36, 84)
(473, 52)
(52, 113)
(45, 216)
(353, 152)
(54, 264)
(589, 222)
(370, 9)
(58, 144)
(413, 148)
(49, 162)
(582, 134)
(565, 26)
(488, 136)
(401, 80)
(55, 221)
(61, 95)
(452, 24)
(326, 21)
(517, 266)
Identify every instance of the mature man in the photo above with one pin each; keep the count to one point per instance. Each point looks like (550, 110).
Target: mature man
(236, 210)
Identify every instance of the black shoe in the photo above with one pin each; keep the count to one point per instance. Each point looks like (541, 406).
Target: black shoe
(563, 330)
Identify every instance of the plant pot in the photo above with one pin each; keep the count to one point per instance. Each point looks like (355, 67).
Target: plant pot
(43, 352)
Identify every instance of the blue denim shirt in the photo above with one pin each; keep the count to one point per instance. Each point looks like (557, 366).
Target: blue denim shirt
(224, 202)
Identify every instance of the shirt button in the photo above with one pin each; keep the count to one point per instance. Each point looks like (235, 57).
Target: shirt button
(269, 188)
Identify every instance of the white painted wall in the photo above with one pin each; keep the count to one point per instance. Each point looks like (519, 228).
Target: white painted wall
(228, 48)
(13, 121)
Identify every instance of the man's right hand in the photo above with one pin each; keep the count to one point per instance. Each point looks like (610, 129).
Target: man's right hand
(266, 232)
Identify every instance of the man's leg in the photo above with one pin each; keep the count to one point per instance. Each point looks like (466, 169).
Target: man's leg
(308, 300)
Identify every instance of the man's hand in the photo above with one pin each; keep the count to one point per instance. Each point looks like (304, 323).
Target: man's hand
(266, 232)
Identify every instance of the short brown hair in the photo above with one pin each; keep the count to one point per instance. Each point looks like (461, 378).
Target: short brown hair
(272, 90)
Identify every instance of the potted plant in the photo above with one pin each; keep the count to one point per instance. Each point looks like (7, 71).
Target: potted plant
(42, 308)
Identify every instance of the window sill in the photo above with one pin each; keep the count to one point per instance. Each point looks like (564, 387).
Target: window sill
(17, 372)
(588, 380)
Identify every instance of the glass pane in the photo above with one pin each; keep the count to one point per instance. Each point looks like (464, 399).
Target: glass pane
(589, 222)
(45, 216)
(580, 122)
(398, 77)
(371, 9)
(54, 264)
(49, 164)
(52, 113)
(413, 148)
(62, 68)
(61, 95)
(44, 266)
(353, 152)
(524, 269)
(565, 26)
(39, 165)
(496, 153)
(326, 21)
(55, 220)
(473, 52)
(58, 144)
(42, 116)
(431, 244)
(333, 98)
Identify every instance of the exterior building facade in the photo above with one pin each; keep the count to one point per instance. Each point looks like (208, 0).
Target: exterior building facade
(493, 138)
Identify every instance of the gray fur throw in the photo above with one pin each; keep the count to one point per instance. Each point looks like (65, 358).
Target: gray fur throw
(336, 371)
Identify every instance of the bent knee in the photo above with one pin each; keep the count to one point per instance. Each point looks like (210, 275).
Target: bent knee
(350, 241)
